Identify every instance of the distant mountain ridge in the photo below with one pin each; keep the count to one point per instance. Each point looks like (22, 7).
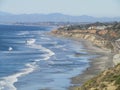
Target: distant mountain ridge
(54, 17)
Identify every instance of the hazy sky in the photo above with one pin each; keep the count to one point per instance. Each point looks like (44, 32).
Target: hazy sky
(98, 8)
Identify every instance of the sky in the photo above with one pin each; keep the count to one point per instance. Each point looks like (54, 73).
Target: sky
(97, 8)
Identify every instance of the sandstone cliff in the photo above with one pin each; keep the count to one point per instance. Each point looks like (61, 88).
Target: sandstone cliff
(107, 38)
(89, 35)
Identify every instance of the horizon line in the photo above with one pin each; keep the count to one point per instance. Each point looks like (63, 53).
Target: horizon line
(59, 13)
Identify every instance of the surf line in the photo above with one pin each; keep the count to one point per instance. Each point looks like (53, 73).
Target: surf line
(7, 83)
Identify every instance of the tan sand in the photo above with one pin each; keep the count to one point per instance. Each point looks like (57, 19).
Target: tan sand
(97, 65)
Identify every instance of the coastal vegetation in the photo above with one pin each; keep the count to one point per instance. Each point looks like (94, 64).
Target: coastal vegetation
(110, 31)
(107, 80)
(104, 36)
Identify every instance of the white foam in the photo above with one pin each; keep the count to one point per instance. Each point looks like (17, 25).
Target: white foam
(10, 48)
(49, 52)
(30, 41)
(45, 38)
(7, 83)
(59, 46)
(23, 33)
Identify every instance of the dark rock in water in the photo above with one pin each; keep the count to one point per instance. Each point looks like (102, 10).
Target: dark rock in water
(79, 54)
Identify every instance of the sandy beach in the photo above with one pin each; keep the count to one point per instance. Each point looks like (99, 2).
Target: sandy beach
(103, 61)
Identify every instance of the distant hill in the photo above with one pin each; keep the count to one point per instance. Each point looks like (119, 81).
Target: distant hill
(54, 17)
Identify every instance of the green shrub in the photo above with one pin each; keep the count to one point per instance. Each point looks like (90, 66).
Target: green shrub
(117, 80)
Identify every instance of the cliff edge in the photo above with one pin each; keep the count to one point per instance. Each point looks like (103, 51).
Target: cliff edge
(105, 36)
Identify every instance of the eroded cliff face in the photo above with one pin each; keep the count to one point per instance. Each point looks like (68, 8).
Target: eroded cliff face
(89, 35)
(110, 39)
(116, 57)
(108, 79)
(101, 38)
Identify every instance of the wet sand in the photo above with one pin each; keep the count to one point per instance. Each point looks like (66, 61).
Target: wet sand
(103, 61)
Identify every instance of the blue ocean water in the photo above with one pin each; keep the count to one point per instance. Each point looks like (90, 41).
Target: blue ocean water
(31, 59)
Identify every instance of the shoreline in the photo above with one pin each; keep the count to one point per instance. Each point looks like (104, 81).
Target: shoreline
(97, 64)
(105, 45)
(103, 61)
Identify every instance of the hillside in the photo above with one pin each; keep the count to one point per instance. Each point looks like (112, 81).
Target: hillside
(105, 36)
(53, 17)
(107, 80)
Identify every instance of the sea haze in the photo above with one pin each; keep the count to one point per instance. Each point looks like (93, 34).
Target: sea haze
(53, 17)
(31, 59)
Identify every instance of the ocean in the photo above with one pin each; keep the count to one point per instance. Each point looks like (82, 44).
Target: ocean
(31, 59)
